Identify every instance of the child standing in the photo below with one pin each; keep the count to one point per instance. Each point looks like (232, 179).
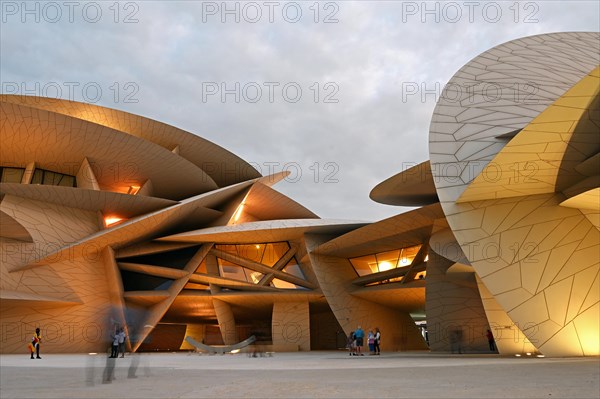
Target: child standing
(34, 346)
(371, 342)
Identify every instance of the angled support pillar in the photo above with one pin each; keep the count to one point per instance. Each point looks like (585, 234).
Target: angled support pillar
(157, 311)
(115, 289)
(267, 278)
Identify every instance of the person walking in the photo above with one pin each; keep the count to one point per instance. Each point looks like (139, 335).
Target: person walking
(376, 342)
(122, 337)
(114, 351)
(351, 343)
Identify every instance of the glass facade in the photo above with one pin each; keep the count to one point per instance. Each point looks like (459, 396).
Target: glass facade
(40, 176)
(294, 269)
(267, 254)
(11, 175)
(231, 270)
(46, 177)
(384, 261)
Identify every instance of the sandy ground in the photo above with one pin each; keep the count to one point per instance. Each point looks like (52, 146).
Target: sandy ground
(299, 375)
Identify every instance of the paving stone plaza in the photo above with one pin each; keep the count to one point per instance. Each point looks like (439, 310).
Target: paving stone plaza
(318, 374)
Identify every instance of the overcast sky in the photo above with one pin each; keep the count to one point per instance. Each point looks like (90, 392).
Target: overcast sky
(338, 93)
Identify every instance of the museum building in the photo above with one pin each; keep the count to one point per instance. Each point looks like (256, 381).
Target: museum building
(113, 219)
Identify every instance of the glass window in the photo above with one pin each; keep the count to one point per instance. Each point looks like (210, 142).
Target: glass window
(37, 177)
(42, 176)
(274, 252)
(365, 265)
(253, 252)
(294, 269)
(387, 260)
(237, 272)
(408, 255)
(12, 175)
(383, 261)
(67, 181)
(252, 276)
(231, 270)
(267, 254)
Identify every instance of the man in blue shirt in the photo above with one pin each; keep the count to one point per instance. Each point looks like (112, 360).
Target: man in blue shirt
(359, 334)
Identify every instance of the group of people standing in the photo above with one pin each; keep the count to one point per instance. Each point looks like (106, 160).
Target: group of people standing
(118, 343)
(356, 341)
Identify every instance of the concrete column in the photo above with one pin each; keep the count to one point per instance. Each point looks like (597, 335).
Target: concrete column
(455, 313)
(226, 322)
(291, 326)
(196, 331)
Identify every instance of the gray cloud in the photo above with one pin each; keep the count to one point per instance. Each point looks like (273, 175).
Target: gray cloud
(344, 148)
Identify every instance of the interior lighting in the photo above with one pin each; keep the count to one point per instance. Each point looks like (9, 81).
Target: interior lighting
(385, 265)
(133, 190)
(111, 219)
(405, 262)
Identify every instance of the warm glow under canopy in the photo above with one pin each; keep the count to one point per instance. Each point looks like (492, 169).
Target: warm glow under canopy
(384, 261)
(111, 219)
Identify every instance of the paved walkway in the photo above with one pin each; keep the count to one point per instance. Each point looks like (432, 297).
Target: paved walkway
(299, 375)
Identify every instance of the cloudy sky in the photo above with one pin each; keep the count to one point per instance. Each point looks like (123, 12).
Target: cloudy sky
(338, 93)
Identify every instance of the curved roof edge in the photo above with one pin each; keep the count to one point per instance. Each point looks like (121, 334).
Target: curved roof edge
(412, 187)
(223, 166)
